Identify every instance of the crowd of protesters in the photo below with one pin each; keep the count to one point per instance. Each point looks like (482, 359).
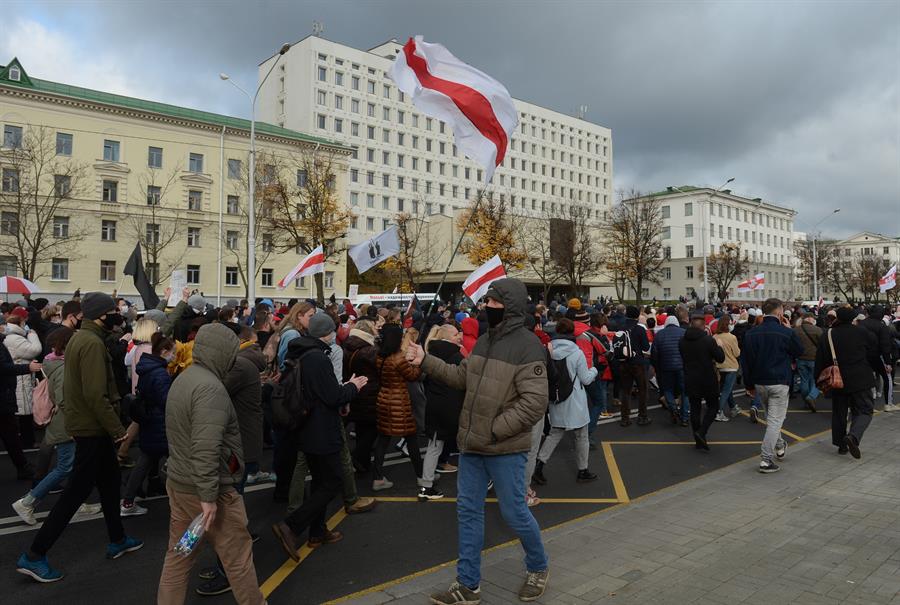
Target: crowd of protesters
(187, 400)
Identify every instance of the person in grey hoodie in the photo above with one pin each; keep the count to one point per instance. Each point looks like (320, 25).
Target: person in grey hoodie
(570, 414)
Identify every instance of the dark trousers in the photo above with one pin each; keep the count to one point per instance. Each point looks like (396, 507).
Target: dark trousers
(95, 465)
(147, 466)
(366, 433)
(630, 373)
(284, 463)
(26, 431)
(712, 408)
(9, 435)
(381, 446)
(860, 405)
(327, 483)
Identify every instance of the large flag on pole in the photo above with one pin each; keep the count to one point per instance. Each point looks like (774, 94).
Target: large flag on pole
(477, 107)
(477, 284)
(889, 280)
(135, 267)
(312, 264)
(757, 282)
(371, 252)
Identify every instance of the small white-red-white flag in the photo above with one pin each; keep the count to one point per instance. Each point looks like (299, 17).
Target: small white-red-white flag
(477, 284)
(889, 280)
(477, 107)
(312, 264)
(757, 282)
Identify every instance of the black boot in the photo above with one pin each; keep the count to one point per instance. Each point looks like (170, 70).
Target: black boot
(538, 477)
(585, 476)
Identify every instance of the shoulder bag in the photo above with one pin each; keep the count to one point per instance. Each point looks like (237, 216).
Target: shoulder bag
(830, 378)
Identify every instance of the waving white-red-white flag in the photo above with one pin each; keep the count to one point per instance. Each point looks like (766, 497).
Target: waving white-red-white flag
(477, 107)
(312, 264)
(757, 282)
(889, 280)
(477, 284)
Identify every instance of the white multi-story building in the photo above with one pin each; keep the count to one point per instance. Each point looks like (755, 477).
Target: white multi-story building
(405, 161)
(697, 219)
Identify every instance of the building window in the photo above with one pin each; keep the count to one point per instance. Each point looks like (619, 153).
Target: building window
(195, 162)
(154, 157)
(665, 210)
(667, 272)
(8, 265)
(329, 279)
(195, 200)
(193, 274)
(385, 180)
(689, 209)
(354, 131)
(689, 272)
(338, 102)
(689, 230)
(667, 293)
(60, 227)
(370, 223)
(12, 136)
(154, 194)
(193, 237)
(370, 177)
(339, 78)
(385, 202)
(111, 150)
(63, 143)
(370, 133)
(300, 282)
(354, 82)
(267, 277)
(231, 276)
(107, 231)
(110, 191)
(386, 113)
(354, 175)
(267, 245)
(321, 97)
(231, 240)
(10, 180)
(232, 204)
(370, 200)
(320, 121)
(152, 234)
(666, 232)
(370, 87)
(62, 185)
(234, 168)
(689, 251)
(108, 270)
(60, 269)
(354, 198)
(338, 125)
(323, 74)
(667, 251)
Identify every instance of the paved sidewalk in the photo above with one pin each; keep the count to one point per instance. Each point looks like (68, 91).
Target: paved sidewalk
(825, 530)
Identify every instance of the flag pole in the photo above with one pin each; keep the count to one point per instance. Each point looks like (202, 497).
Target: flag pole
(456, 249)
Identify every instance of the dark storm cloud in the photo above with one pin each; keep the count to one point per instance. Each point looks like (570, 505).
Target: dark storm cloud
(799, 101)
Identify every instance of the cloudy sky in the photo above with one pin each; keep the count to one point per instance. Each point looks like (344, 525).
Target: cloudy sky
(799, 101)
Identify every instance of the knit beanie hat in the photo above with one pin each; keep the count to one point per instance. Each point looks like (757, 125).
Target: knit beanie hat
(632, 312)
(846, 315)
(320, 325)
(575, 303)
(671, 320)
(156, 315)
(197, 303)
(95, 304)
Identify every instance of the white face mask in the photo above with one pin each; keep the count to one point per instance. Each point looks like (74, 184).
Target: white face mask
(169, 356)
(123, 309)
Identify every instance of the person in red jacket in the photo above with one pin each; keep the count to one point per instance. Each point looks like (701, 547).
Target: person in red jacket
(470, 333)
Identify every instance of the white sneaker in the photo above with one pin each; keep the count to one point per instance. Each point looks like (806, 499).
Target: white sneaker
(780, 451)
(132, 511)
(381, 484)
(24, 511)
(721, 417)
(260, 477)
(891, 407)
(89, 509)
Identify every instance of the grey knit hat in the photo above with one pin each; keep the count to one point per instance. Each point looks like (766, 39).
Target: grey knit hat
(156, 315)
(96, 304)
(320, 325)
(197, 302)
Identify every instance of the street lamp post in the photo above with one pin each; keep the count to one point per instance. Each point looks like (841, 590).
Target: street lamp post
(703, 240)
(815, 262)
(251, 204)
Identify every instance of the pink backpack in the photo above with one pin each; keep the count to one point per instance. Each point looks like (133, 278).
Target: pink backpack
(42, 405)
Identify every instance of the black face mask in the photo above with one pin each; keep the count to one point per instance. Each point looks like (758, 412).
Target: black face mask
(112, 320)
(494, 316)
(78, 324)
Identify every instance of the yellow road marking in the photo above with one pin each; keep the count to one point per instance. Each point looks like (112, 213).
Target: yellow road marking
(281, 574)
(614, 474)
(681, 442)
(783, 430)
(494, 500)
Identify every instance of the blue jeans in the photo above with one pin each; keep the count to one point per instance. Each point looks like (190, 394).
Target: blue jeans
(65, 456)
(806, 369)
(726, 397)
(597, 396)
(675, 382)
(508, 474)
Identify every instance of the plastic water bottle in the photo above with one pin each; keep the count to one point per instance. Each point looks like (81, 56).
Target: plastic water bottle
(191, 537)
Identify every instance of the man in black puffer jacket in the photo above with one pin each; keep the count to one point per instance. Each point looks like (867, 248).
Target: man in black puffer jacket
(9, 424)
(700, 354)
(874, 324)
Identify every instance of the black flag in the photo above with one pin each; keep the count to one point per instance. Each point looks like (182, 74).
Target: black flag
(135, 267)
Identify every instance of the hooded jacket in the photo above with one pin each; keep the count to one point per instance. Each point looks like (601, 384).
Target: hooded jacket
(153, 383)
(360, 356)
(700, 354)
(504, 378)
(205, 453)
(444, 403)
(572, 412)
(92, 397)
(470, 333)
(245, 389)
(24, 346)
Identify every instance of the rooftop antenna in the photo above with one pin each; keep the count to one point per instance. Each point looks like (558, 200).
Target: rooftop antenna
(582, 110)
(318, 28)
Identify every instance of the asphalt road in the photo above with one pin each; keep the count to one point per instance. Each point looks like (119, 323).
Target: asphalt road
(400, 537)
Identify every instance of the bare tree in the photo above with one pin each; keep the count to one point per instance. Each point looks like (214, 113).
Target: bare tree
(838, 275)
(826, 256)
(725, 266)
(867, 270)
(634, 232)
(534, 237)
(38, 188)
(154, 224)
(307, 213)
(418, 254)
(576, 248)
(490, 232)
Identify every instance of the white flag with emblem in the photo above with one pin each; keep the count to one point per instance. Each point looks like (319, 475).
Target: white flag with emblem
(371, 252)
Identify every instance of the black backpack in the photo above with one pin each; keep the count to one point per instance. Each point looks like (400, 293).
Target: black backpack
(560, 384)
(290, 409)
(621, 346)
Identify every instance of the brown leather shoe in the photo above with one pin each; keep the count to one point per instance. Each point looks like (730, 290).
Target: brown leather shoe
(329, 538)
(288, 539)
(362, 505)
